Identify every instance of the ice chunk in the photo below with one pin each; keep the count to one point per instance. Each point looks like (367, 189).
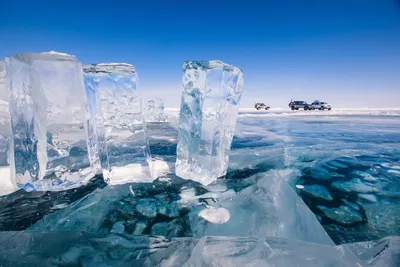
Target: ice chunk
(215, 215)
(7, 182)
(268, 208)
(122, 137)
(86, 214)
(317, 191)
(140, 227)
(118, 228)
(155, 110)
(343, 214)
(210, 99)
(384, 252)
(354, 185)
(147, 208)
(50, 122)
(244, 251)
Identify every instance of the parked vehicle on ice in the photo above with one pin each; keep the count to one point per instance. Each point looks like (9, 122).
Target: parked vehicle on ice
(296, 105)
(259, 106)
(320, 105)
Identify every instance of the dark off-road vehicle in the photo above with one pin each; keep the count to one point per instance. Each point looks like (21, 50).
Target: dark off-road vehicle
(296, 105)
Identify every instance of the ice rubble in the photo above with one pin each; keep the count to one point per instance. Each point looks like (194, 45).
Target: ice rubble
(210, 99)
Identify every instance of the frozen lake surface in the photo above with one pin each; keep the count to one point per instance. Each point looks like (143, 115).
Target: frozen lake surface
(308, 176)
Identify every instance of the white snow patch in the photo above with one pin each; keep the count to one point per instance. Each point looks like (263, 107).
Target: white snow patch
(215, 215)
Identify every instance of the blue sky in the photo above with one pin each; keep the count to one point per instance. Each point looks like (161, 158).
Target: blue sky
(346, 52)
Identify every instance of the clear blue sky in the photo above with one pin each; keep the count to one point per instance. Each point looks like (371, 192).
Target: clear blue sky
(346, 52)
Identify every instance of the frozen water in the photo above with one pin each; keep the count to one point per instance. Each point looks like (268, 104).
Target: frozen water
(21, 209)
(228, 251)
(352, 157)
(267, 208)
(88, 249)
(50, 122)
(368, 197)
(383, 253)
(155, 110)
(249, 164)
(210, 100)
(267, 156)
(317, 191)
(343, 214)
(121, 137)
(354, 185)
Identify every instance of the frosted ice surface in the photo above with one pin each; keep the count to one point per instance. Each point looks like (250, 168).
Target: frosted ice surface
(155, 110)
(382, 253)
(7, 183)
(121, 133)
(268, 208)
(49, 120)
(210, 100)
(85, 214)
(245, 251)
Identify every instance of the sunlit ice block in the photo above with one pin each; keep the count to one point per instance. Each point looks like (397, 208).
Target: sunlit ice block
(7, 183)
(49, 122)
(120, 128)
(210, 100)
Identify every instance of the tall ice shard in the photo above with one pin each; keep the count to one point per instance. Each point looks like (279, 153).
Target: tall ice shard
(120, 126)
(210, 100)
(49, 122)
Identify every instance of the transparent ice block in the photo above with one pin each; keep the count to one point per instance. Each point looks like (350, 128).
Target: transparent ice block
(122, 141)
(49, 122)
(210, 100)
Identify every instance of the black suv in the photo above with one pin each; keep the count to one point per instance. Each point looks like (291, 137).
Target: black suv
(296, 105)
